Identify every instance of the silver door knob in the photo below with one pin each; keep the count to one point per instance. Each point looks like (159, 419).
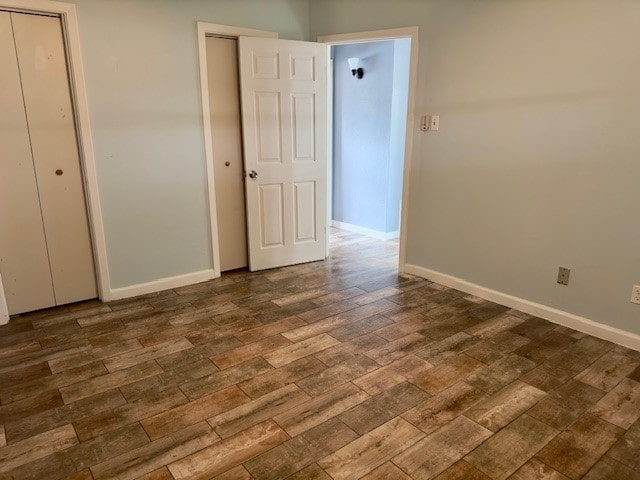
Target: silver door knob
(253, 174)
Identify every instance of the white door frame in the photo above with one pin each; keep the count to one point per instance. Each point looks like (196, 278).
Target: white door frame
(373, 36)
(4, 309)
(228, 31)
(67, 14)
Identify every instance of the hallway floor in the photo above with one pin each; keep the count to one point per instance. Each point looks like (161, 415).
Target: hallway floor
(332, 370)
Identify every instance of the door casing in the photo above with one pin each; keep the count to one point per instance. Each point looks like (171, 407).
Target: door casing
(205, 29)
(372, 36)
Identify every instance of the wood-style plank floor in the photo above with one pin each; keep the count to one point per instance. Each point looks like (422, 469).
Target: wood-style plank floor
(332, 370)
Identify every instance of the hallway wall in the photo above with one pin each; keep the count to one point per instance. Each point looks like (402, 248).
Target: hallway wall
(369, 129)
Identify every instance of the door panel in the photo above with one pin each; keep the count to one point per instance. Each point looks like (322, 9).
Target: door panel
(305, 211)
(266, 65)
(283, 94)
(269, 127)
(224, 108)
(24, 262)
(302, 67)
(272, 215)
(50, 116)
(303, 114)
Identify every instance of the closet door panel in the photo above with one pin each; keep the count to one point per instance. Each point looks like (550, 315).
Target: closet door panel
(24, 263)
(50, 116)
(226, 135)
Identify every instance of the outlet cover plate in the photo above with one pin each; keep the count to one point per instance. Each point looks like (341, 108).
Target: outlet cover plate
(635, 294)
(563, 275)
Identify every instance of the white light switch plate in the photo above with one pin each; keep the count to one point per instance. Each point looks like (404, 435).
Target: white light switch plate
(635, 294)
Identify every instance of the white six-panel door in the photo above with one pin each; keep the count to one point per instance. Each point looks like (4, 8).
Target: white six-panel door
(283, 88)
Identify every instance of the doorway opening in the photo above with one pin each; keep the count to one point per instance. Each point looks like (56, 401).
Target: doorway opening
(363, 46)
(280, 154)
(218, 59)
(369, 130)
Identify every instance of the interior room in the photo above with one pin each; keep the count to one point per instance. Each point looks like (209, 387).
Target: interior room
(186, 293)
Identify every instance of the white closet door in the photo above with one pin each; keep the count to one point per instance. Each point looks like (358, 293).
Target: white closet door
(24, 263)
(50, 118)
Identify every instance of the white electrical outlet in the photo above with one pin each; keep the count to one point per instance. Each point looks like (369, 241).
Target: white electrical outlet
(425, 120)
(635, 294)
(429, 123)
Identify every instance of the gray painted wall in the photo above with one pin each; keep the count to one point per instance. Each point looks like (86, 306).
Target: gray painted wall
(362, 123)
(535, 166)
(369, 129)
(142, 78)
(537, 160)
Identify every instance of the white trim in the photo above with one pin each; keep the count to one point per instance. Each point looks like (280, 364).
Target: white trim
(161, 284)
(4, 309)
(67, 12)
(365, 231)
(566, 319)
(392, 34)
(205, 29)
(330, 91)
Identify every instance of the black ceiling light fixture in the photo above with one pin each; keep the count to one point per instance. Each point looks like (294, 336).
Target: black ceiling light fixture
(356, 71)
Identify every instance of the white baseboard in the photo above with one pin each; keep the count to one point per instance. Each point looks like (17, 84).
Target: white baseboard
(159, 285)
(365, 231)
(566, 319)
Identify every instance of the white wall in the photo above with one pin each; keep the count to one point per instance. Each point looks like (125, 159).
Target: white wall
(142, 80)
(537, 160)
